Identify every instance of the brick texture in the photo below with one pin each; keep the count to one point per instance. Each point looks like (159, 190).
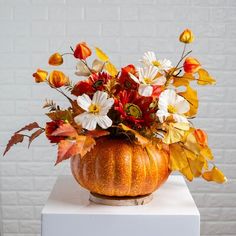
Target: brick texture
(33, 29)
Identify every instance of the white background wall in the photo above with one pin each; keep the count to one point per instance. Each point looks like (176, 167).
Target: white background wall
(30, 30)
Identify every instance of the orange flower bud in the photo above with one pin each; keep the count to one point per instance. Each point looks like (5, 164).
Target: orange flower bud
(58, 79)
(191, 65)
(40, 76)
(186, 36)
(201, 137)
(82, 51)
(55, 59)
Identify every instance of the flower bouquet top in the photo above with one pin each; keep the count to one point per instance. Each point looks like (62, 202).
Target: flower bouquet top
(150, 103)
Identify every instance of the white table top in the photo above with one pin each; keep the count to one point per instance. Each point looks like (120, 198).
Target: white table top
(173, 198)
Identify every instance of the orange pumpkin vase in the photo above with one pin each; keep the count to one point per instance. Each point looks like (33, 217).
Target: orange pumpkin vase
(116, 167)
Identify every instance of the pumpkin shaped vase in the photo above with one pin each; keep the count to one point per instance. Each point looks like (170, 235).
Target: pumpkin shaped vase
(116, 167)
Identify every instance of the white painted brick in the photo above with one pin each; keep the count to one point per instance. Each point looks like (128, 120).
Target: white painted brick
(32, 198)
(6, 41)
(129, 29)
(30, 13)
(16, 60)
(8, 198)
(81, 30)
(7, 77)
(7, 107)
(14, 29)
(17, 183)
(6, 13)
(43, 28)
(103, 13)
(31, 44)
(10, 226)
(8, 169)
(56, 13)
(207, 200)
(129, 13)
(217, 214)
(111, 29)
(75, 13)
(218, 228)
(15, 212)
(32, 226)
(48, 2)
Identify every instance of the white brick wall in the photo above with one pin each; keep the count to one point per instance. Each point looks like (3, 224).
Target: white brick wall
(30, 30)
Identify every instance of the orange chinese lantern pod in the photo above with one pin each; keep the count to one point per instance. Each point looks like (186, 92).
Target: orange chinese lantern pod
(191, 65)
(186, 36)
(201, 137)
(82, 51)
(215, 175)
(58, 79)
(55, 59)
(40, 76)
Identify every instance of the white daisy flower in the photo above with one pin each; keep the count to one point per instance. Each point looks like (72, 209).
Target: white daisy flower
(146, 79)
(171, 104)
(95, 111)
(149, 58)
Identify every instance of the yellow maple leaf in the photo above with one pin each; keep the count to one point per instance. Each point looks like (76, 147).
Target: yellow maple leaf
(205, 78)
(111, 69)
(101, 55)
(183, 80)
(215, 175)
(178, 160)
(191, 96)
(175, 132)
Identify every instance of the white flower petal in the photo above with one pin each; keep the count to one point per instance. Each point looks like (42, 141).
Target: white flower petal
(159, 81)
(86, 120)
(134, 78)
(165, 64)
(145, 90)
(84, 101)
(162, 115)
(148, 58)
(179, 118)
(182, 105)
(104, 121)
(99, 98)
(106, 106)
(167, 97)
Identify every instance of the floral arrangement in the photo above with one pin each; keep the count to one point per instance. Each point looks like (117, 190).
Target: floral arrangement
(151, 103)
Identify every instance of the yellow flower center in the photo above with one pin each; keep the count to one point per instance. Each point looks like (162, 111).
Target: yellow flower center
(94, 108)
(171, 109)
(147, 80)
(156, 63)
(133, 110)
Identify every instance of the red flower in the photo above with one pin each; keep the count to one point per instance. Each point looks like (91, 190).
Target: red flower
(124, 79)
(95, 82)
(134, 109)
(50, 128)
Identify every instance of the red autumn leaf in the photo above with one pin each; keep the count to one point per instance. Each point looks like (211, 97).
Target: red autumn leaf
(70, 148)
(66, 149)
(97, 133)
(29, 127)
(65, 130)
(35, 135)
(16, 138)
